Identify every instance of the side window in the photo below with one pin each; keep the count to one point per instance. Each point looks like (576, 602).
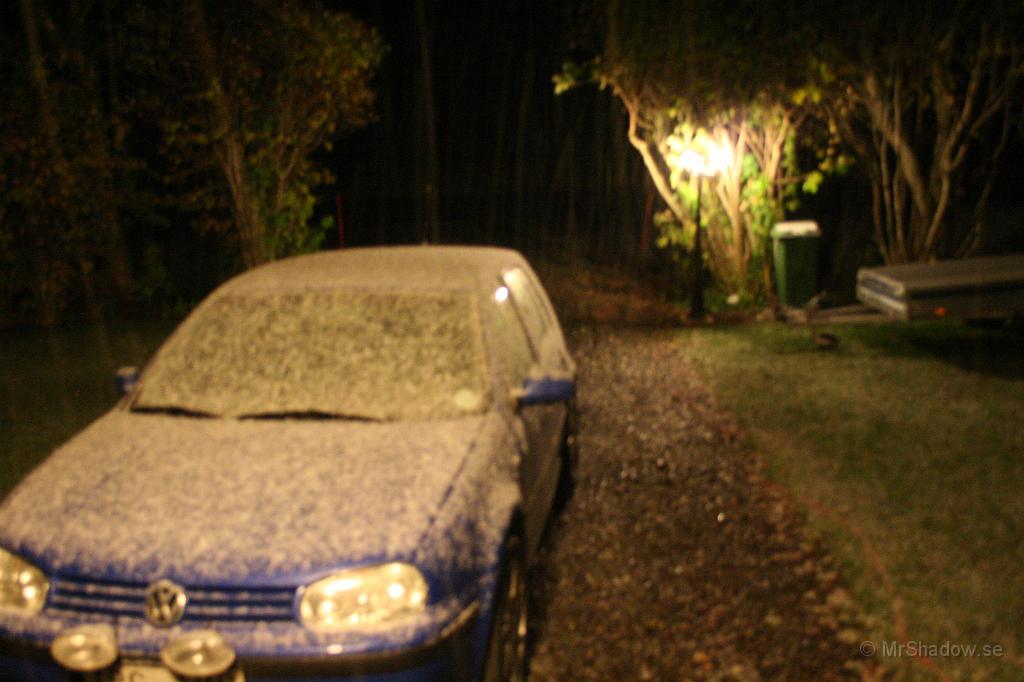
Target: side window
(517, 355)
(527, 300)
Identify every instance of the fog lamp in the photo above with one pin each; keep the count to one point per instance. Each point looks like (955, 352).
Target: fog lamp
(198, 654)
(86, 648)
(23, 587)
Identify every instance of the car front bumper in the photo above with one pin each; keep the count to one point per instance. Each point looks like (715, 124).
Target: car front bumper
(453, 654)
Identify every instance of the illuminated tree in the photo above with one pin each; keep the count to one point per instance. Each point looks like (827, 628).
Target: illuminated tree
(927, 96)
(262, 86)
(692, 71)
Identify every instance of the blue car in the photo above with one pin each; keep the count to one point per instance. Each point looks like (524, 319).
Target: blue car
(337, 467)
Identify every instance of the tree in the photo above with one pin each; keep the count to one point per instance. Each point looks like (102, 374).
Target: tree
(431, 189)
(264, 85)
(62, 142)
(697, 74)
(926, 96)
(122, 116)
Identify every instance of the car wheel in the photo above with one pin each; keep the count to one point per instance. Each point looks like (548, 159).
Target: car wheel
(570, 457)
(506, 651)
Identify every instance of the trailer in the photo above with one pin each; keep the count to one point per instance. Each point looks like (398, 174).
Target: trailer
(990, 287)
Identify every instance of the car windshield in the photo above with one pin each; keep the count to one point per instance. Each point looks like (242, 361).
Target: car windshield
(380, 355)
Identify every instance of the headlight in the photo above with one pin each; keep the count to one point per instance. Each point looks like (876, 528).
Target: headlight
(361, 596)
(23, 587)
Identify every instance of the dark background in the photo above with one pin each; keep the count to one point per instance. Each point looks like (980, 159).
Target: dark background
(553, 176)
(518, 165)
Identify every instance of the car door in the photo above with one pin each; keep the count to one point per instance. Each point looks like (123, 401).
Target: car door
(530, 325)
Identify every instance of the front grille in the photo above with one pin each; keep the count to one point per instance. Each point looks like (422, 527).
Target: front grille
(79, 596)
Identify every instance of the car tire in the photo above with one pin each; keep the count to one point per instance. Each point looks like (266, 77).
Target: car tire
(506, 648)
(570, 457)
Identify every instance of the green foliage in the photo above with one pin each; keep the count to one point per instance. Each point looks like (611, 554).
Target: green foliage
(262, 95)
(574, 74)
(672, 233)
(756, 180)
(146, 133)
(733, 80)
(290, 229)
(812, 182)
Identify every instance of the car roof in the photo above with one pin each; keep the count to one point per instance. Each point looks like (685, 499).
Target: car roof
(406, 267)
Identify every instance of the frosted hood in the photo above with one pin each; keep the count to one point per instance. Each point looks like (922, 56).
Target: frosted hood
(141, 497)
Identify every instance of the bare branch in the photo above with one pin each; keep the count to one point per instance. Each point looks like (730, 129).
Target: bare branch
(656, 170)
(905, 156)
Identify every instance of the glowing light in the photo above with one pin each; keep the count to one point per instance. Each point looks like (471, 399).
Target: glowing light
(692, 162)
(501, 294)
(719, 159)
(86, 649)
(699, 156)
(341, 585)
(363, 595)
(23, 587)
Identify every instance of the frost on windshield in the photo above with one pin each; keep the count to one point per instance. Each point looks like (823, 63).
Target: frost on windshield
(379, 355)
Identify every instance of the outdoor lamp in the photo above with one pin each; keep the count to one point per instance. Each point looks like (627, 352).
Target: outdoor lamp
(714, 160)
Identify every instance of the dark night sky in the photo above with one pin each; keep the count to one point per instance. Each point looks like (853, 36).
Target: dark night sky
(493, 97)
(497, 119)
(518, 165)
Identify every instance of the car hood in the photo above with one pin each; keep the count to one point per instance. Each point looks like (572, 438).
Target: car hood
(138, 497)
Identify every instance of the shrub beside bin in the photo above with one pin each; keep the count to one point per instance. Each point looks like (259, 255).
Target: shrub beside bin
(795, 246)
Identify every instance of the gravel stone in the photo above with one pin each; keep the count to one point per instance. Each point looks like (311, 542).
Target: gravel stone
(674, 560)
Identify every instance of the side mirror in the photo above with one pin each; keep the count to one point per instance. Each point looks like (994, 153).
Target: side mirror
(127, 378)
(543, 390)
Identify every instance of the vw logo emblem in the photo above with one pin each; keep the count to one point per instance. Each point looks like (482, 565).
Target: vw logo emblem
(165, 603)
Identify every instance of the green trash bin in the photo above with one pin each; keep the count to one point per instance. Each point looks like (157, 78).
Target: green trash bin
(795, 244)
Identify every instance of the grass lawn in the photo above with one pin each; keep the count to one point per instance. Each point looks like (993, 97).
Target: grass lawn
(909, 437)
(53, 382)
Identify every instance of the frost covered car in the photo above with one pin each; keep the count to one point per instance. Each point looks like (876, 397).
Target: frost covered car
(337, 467)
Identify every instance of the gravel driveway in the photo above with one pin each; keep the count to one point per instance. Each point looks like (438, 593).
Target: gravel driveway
(674, 560)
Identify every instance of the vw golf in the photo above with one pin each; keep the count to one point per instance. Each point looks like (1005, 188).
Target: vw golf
(337, 467)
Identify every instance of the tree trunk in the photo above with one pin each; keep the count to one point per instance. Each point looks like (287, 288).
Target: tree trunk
(51, 135)
(521, 138)
(655, 165)
(917, 139)
(645, 229)
(430, 186)
(498, 163)
(116, 181)
(697, 309)
(230, 150)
